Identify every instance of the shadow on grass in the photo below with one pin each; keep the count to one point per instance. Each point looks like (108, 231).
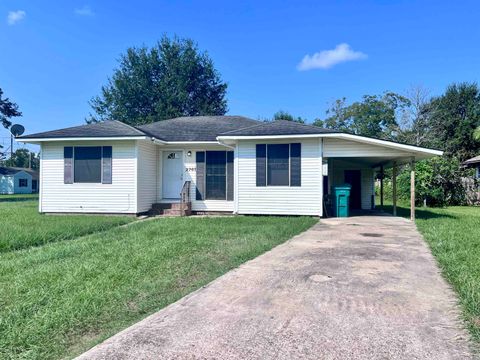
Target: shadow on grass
(7, 198)
(420, 213)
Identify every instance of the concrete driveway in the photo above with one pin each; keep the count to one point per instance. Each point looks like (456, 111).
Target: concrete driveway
(357, 288)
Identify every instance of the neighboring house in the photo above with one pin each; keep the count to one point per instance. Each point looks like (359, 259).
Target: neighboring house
(230, 163)
(472, 186)
(18, 180)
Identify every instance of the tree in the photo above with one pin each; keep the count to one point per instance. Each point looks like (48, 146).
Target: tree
(454, 118)
(284, 115)
(171, 79)
(414, 123)
(23, 158)
(476, 134)
(374, 116)
(8, 109)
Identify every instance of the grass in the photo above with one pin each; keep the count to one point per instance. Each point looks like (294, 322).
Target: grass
(453, 234)
(22, 225)
(59, 299)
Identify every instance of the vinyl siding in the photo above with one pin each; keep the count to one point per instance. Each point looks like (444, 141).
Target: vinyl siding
(6, 184)
(349, 148)
(118, 197)
(280, 200)
(16, 179)
(146, 175)
(337, 177)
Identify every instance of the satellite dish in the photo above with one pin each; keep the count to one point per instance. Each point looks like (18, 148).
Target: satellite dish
(17, 130)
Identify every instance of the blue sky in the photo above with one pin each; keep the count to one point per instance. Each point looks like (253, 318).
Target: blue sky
(56, 54)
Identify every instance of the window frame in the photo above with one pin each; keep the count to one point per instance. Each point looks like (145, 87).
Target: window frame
(205, 197)
(73, 164)
(206, 174)
(20, 181)
(267, 162)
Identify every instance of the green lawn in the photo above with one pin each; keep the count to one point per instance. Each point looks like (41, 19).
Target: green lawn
(22, 226)
(59, 299)
(453, 234)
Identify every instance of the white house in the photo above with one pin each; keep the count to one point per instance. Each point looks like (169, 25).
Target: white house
(229, 163)
(18, 181)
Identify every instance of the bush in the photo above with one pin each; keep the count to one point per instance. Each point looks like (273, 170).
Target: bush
(438, 182)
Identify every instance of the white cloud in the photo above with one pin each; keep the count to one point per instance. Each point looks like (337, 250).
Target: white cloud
(15, 16)
(325, 59)
(84, 11)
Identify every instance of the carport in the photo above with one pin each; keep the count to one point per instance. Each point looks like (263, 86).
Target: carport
(361, 163)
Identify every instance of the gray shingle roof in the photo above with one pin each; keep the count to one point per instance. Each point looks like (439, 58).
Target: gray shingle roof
(191, 128)
(110, 128)
(196, 128)
(5, 170)
(279, 127)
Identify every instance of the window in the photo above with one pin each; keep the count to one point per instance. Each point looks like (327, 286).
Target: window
(22, 182)
(87, 164)
(214, 175)
(173, 155)
(278, 164)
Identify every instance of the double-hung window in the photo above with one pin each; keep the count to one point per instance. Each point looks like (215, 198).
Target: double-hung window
(278, 164)
(22, 182)
(87, 164)
(214, 175)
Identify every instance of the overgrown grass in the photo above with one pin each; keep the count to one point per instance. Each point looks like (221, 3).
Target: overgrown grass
(59, 299)
(453, 234)
(21, 225)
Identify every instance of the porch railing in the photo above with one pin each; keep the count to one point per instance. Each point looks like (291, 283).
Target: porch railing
(185, 198)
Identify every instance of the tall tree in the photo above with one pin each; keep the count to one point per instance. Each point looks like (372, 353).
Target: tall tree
(24, 158)
(174, 78)
(455, 116)
(374, 116)
(8, 110)
(285, 115)
(414, 122)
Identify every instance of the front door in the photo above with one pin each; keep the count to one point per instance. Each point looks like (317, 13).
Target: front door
(172, 174)
(353, 177)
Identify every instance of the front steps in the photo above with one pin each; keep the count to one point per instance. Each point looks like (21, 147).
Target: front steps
(171, 209)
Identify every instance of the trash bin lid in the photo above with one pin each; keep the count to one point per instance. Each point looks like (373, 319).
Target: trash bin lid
(343, 187)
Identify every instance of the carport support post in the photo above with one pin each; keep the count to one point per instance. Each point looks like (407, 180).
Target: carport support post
(381, 187)
(394, 188)
(412, 189)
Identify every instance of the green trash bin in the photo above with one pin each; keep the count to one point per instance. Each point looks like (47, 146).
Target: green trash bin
(341, 201)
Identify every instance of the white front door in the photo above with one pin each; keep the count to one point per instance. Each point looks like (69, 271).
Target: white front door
(172, 174)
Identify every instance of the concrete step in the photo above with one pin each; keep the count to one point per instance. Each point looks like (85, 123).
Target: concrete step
(171, 209)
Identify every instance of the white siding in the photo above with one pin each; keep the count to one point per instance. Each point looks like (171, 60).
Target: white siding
(16, 182)
(146, 175)
(6, 184)
(348, 148)
(337, 170)
(118, 197)
(281, 200)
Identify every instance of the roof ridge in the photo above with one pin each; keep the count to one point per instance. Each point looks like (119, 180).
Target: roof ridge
(130, 126)
(247, 127)
(299, 123)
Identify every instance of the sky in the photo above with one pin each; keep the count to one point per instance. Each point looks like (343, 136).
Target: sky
(296, 56)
